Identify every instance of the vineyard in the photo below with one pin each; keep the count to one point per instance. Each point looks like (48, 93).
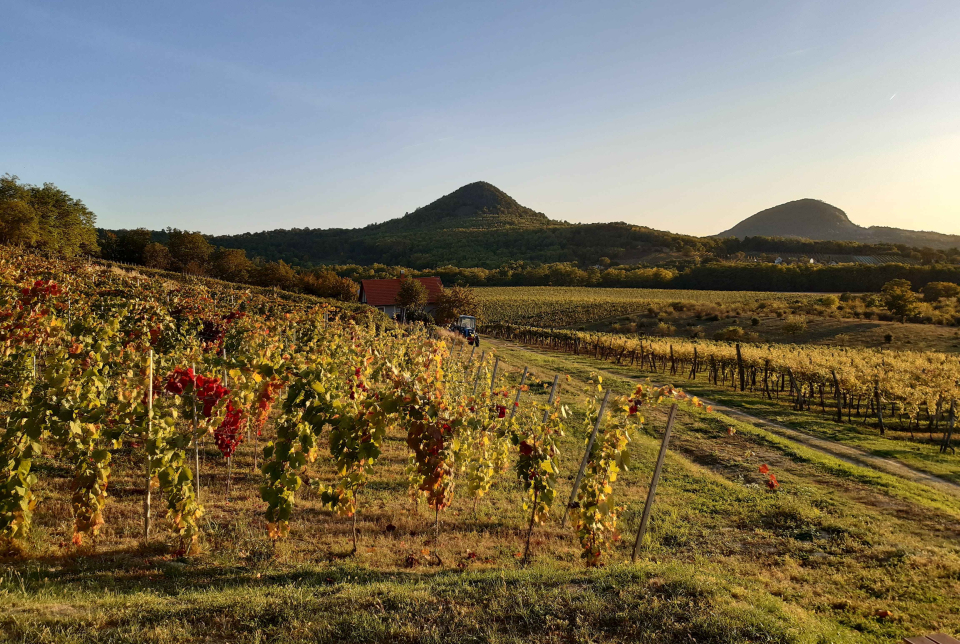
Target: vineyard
(560, 306)
(909, 390)
(188, 460)
(97, 362)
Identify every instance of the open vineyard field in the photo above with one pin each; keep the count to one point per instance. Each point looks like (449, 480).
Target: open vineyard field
(563, 306)
(795, 318)
(380, 487)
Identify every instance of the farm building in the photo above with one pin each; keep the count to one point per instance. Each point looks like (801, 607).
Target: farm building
(382, 294)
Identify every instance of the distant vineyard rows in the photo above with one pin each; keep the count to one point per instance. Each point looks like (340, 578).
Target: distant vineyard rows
(909, 386)
(559, 306)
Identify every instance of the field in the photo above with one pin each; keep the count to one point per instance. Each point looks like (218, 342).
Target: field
(762, 317)
(561, 306)
(341, 521)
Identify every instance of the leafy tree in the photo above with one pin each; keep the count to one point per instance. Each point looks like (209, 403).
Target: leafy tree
(18, 222)
(45, 217)
(329, 284)
(190, 251)
(899, 298)
(278, 274)
(935, 291)
(455, 302)
(125, 245)
(412, 295)
(231, 264)
(157, 256)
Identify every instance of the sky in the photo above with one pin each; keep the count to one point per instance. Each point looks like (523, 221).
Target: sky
(688, 116)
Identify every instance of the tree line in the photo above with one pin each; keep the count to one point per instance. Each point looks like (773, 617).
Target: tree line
(47, 218)
(190, 252)
(855, 278)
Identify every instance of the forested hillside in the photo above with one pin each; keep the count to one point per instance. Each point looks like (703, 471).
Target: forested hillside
(479, 225)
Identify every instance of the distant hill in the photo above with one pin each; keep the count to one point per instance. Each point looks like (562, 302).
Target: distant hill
(818, 220)
(475, 225)
(478, 205)
(479, 225)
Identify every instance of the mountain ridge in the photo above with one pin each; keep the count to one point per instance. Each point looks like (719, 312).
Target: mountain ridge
(479, 225)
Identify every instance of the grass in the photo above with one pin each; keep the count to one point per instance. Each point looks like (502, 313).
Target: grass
(586, 368)
(727, 559)
(918, 450)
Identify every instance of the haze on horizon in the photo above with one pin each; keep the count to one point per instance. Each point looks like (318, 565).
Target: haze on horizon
(228, 117)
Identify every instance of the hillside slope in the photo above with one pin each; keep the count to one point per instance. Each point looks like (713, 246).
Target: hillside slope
(818, 220)
(475, 205)
(476, 225)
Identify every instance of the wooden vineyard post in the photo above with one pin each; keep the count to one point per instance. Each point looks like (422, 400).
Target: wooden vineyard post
(740, 368)
(146, 449)
(553, 396)
(472, 350)
(516, 401)
(493, 377)
(648, 506)
(196, 436)
(536, 495)
(951, 423)
(586, 458)
(476, 381)
(876, 395)
(836, 391)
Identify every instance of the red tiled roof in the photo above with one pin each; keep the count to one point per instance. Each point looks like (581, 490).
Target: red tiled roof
(384, 292)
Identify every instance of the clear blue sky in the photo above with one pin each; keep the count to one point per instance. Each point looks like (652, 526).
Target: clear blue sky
(685, 116)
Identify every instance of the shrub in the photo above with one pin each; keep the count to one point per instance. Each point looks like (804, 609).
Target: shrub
(665, 329)
(888, 338)
(795, 325)
(731, 333)
(935, 291)
(754, 321)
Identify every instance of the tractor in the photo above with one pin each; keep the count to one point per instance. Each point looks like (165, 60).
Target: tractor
(466, 325)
